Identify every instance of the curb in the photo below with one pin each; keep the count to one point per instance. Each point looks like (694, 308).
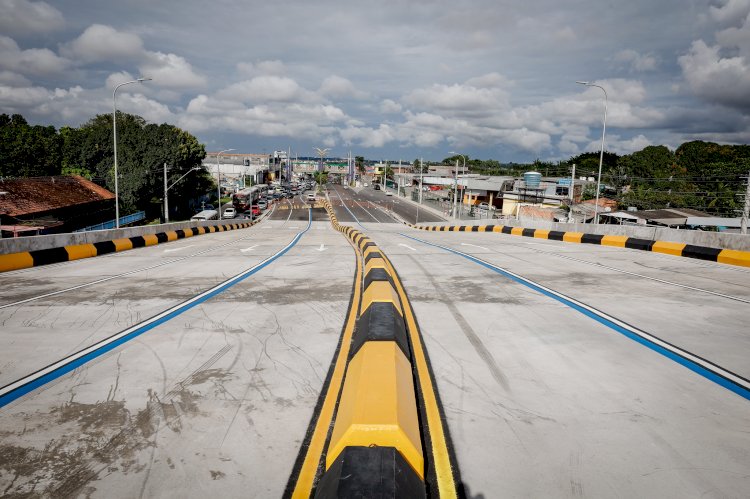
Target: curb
(37, 258)
(719, 255)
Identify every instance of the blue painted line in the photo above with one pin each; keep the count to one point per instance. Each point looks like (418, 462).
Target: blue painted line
(77, 360)
(723, 377)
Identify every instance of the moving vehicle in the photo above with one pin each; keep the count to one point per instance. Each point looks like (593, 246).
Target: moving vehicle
(230, 212)
(388, 193)
(205, 215)
(255, 210)
(311, 196)
(262, 204)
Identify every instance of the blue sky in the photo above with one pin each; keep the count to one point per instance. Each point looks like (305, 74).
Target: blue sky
(390, 79)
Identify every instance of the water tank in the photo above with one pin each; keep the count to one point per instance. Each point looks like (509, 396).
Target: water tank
(532, 179)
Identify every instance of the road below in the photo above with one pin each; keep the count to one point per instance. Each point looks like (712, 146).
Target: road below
(541, 398)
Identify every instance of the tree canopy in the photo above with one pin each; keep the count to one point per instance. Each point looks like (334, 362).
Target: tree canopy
(142, 150)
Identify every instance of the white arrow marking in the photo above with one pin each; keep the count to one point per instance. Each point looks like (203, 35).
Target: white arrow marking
(474, 245)
(178, 249)
(322, 247)
(407, 246)
(249, 249)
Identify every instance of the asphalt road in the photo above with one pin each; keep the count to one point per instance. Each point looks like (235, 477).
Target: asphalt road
(541, 398)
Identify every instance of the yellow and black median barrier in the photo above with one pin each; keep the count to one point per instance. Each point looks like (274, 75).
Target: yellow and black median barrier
(727, 256)
(386, 436)
(36, 258)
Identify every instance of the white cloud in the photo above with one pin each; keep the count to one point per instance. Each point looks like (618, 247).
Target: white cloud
(22, 17)
(171, 71)
(38, 62)
(389, 106)
(725, 80)
(731, 12)
(104, 43)
(13, 79)
(267, 89)
(336, 86)
(636, 62)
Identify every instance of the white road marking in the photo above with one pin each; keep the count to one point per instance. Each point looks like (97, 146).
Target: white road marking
(407, 246)
(249, 249)
(178, 249)
(475, 246)
(322, 247)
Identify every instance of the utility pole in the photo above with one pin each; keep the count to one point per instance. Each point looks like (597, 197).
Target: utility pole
(166, 199)
(455, 190)
(746, 209)
(572, 192)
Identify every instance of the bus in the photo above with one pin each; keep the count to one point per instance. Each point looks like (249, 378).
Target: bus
(243, 199)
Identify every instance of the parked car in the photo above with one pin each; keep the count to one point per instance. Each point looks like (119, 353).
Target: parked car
(230, 213)
(483, 206)
(388, 193)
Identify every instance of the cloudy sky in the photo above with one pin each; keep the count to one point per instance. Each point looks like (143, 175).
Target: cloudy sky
(392, 78)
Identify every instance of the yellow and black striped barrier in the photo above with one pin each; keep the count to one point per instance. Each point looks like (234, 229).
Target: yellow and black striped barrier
(727, 256)
(386, 437)
(36, 258)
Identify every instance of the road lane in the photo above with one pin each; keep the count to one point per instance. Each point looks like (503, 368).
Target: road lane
(561, 405)
(195, 406)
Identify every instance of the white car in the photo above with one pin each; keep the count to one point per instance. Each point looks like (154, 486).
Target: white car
(230, 213)
(388, 193)
(311, 197)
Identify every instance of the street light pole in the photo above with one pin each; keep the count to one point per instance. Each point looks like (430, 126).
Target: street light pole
(601, 153)
(166, 198)
(463, 170)
(218, 179)
(114, 133)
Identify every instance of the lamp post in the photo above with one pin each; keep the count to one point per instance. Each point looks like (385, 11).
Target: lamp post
(114, 133)
(166, 198)
(218, 179)
(463, 171)
(601, 153)
(322, 153)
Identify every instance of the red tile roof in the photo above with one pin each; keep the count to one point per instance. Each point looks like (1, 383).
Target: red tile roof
(36, 195)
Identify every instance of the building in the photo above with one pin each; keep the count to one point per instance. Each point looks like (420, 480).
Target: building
(48, 205)
(237, 169)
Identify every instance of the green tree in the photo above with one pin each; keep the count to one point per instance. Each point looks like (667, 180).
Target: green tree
(26, 150)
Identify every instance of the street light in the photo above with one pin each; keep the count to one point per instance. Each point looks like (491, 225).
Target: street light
(114, 131)
(166, 199)
(463, 170)
(218, 179)
(322, 153)
(601, 153)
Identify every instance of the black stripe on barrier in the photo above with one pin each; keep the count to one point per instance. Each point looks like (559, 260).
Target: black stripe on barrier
(462, 228)
(104, 247)
(377, 274)
(50, 255)
(138, 241)
(701, 252)
(162, 237)
(374, 254)
(489, 228)
(639, 244)
(380, 322)
(180, 234)
(195, 231)
(369, 244)
(528, 232)
(475, 228)
(555, 235)
(592, 238)
(507, 229)
(370, 472)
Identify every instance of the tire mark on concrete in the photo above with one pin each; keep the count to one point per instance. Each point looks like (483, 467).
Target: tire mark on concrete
(475, 341)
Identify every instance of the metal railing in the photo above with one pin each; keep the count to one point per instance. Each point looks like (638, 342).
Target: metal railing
(126, 220)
